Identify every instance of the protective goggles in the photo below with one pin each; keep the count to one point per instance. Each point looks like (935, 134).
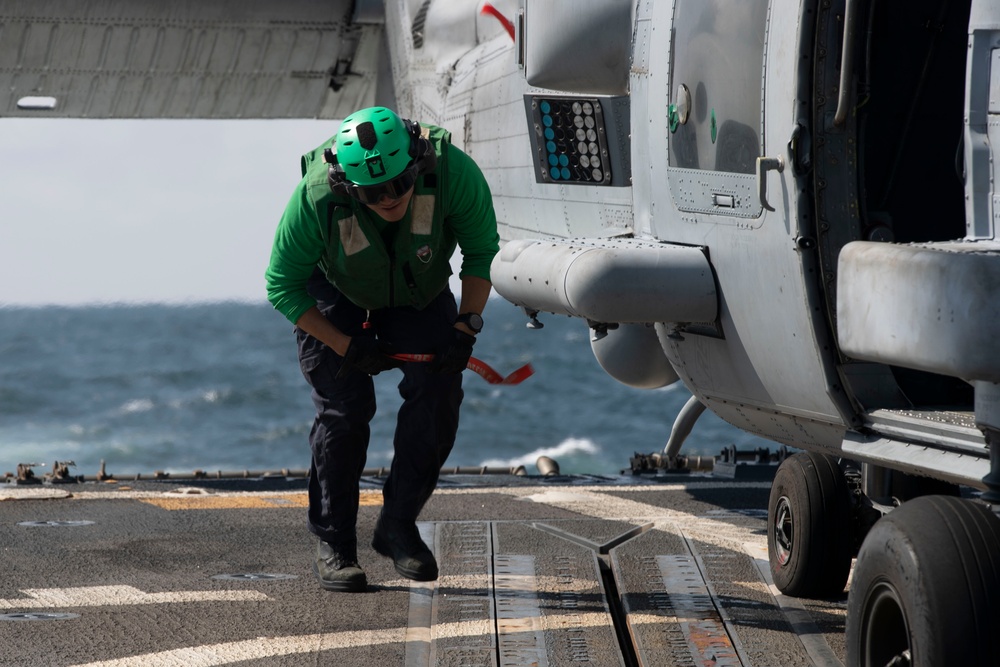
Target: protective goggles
(393, 188)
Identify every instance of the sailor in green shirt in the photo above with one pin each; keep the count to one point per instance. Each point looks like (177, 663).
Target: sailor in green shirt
(360, 263)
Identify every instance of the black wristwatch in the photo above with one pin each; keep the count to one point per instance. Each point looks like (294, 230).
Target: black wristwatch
(472, 320)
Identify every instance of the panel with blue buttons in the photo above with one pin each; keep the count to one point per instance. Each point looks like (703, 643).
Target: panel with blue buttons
(570, 140)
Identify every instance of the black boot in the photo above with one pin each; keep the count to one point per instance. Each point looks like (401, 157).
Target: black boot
(336, 567)
(400, 541)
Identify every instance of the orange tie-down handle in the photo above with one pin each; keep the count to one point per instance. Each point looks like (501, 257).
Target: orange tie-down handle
(480, 367)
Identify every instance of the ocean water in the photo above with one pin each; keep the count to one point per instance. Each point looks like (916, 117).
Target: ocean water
(217, 387)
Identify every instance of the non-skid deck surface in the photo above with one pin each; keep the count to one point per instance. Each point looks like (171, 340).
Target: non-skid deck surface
(531, 574)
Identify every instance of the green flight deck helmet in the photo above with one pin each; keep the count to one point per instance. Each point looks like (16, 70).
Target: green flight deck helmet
(378, 154)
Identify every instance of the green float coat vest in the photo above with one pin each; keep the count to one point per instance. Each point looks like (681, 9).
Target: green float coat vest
(413, 267)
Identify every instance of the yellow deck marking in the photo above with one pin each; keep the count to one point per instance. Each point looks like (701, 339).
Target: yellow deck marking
(246, 501)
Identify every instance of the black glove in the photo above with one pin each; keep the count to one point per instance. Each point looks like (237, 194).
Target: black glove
(456, 357)
(367, 355)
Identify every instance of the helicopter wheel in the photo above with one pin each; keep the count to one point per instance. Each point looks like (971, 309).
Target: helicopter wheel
(926, 587)
(808, 532)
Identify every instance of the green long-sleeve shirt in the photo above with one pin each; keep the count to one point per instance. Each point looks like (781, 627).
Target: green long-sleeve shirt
(308, 236)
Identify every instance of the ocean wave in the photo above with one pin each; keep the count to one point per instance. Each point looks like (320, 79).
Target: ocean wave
(136, 405)
(567, 448)
(196, 397)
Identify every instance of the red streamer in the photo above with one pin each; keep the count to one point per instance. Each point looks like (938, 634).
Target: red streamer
(495, 13)
(479, 367)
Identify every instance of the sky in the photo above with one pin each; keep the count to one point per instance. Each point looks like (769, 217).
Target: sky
(130, 211)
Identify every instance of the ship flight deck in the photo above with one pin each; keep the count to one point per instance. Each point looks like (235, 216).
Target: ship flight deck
(535, 571)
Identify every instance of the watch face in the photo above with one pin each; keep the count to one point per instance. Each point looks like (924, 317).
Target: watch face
(472, 320)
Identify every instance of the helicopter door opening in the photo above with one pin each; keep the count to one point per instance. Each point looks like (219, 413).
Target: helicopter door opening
(907, 121)
(911, 84)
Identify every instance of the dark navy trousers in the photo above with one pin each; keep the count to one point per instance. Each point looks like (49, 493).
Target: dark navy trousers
(425, 425)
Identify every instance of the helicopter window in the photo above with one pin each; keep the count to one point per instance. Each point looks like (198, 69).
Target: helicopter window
(717, 63)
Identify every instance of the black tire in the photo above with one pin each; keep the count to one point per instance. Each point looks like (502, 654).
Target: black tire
(927, 586)
(808, 529)
(907, 487)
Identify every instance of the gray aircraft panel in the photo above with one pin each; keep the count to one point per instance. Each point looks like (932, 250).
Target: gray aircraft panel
(776, 363)
(480, 98)
(216, 59)
(757, 262)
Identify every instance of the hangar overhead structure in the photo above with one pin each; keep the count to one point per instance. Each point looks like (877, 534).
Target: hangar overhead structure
(223, 59)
